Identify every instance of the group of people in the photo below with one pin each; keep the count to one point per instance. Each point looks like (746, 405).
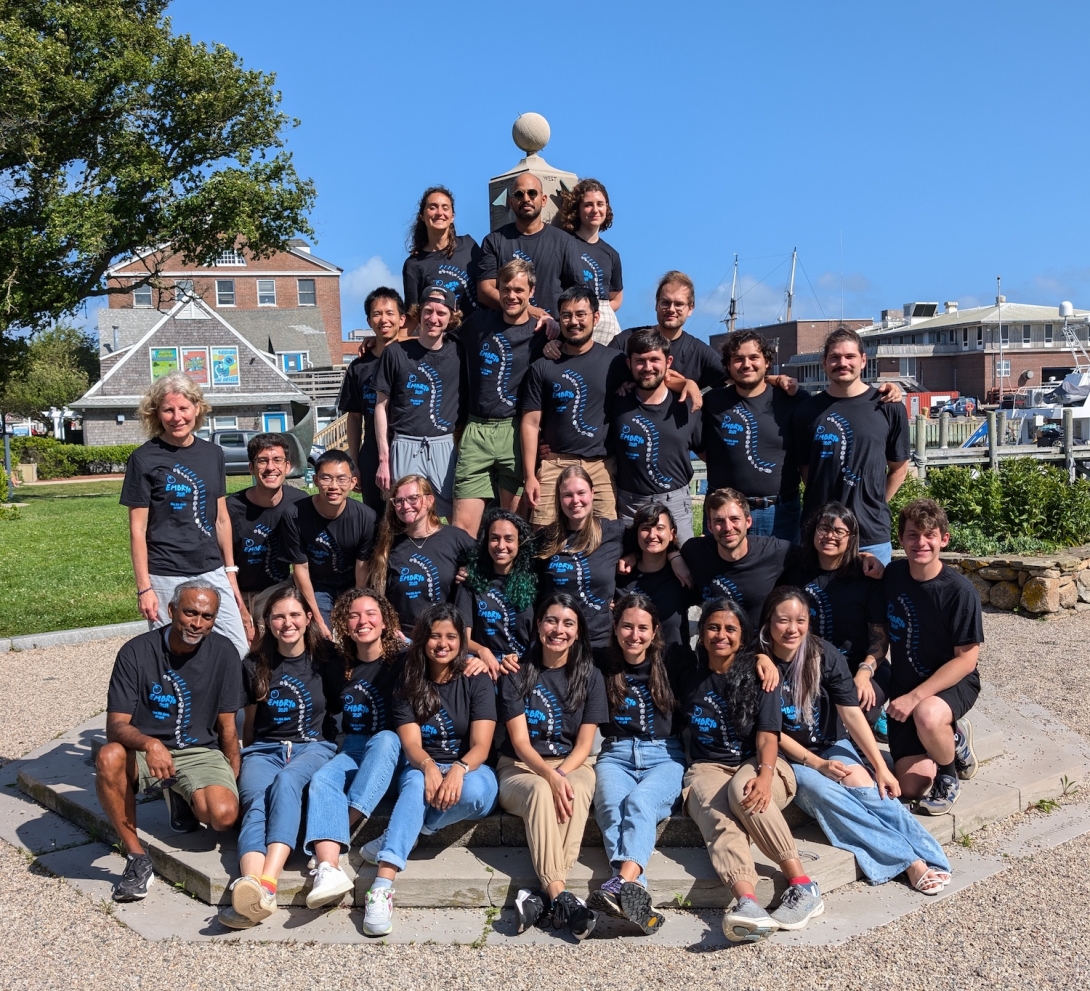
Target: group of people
(503, 621)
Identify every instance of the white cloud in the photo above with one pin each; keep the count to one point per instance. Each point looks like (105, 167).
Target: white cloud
(357, 283)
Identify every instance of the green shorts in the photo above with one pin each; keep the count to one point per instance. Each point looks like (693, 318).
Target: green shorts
(194, 767)
(489, 458)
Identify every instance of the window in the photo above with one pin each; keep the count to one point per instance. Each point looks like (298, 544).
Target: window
(229, 257)
(142, 296)
(225, 423)
(1027, 335)
(1003, 368)
(1048, 335)
(266, 292)
(980, 338)
(306, 292)
(225, 292)
(907, 367)
(1005, 335)
(965, 339)
(294, 361)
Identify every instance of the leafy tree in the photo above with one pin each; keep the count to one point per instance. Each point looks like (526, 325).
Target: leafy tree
(59, 366)
(116, 134)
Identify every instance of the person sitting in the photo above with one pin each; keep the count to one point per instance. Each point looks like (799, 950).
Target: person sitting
(343, 793)
(501, 579)
(291, 682)
(857, 810)
(170, 725)
(552, 706)
(445, 720)
(737, 784)
(639, 770)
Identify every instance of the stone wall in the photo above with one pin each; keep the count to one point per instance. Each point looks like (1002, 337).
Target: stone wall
(1050, 584)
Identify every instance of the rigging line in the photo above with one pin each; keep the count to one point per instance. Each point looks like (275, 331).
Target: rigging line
(814, 294)
(749, 290)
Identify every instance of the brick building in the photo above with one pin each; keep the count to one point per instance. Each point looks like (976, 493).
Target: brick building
(794, 336)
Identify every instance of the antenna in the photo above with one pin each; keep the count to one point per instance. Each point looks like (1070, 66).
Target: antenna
(999, 310)
(791, 284)
(732, 312)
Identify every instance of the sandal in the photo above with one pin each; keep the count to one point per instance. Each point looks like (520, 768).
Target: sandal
(930, 882)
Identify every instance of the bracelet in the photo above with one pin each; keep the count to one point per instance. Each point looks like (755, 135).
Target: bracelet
(231, 569)
(426, 761)
(771, 767)
(560, 771)
(144, 591)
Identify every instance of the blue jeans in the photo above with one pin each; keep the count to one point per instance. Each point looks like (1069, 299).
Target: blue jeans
(636, 785)
(357, 778)
(270, 791)
(325, 597)
(411, 816)
(781, 520)
(882, 834)
(884, 552)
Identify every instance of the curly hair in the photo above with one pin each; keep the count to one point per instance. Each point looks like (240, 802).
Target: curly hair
(417, 241)
(416, 687)
(520, 586)
(176, 383)
(454, 323)
(266, 652)
(735, 340)
(339, 627)
(614, 670)
(572, 200)
(391, 527)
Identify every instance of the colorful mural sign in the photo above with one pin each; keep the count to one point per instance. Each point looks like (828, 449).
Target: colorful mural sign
(163, 361)
(225, 366)
(195, 364)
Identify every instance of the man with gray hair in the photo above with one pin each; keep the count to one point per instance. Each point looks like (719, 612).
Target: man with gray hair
(170, 727)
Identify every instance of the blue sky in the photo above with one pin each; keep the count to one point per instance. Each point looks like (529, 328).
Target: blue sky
(910, 151)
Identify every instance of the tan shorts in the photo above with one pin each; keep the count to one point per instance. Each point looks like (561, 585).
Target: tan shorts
(601, 471)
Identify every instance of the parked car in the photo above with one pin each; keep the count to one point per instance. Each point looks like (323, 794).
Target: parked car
(965, 406)
(234, 444)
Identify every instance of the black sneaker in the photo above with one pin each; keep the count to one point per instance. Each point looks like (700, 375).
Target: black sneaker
(181, 817)
(572, 913)
(136, 880)
(607, 898)
(637, 908)
(534, 908)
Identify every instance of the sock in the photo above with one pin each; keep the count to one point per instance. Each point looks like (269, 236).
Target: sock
(948, 769)
(268, 883)
(801, 879)
(742, 898)
(381, 882)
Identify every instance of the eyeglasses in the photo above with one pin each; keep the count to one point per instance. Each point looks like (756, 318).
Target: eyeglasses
(669, 304)
(339, 480)
(833, 531)
(265, 462)
(413, 500)
(525, 194)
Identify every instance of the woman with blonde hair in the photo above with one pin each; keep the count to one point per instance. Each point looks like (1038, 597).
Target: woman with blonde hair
(175, 489)
(584, 213)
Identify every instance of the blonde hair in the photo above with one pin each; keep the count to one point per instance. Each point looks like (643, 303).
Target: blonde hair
(554, 538)
(177, 383)
(390, 528)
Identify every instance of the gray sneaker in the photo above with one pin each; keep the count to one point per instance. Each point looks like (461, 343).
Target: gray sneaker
(965, 760)
(944, 793)
(800, 903)
(747, 922)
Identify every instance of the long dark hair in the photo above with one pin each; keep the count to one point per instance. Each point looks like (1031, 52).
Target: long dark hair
(804, 670)
(521, 584)
(391, 645)
(827, 515)
(580, 655)
(743, 688)
(418, 230)
(416, 687)
(657, 682)
(266, 653)
(648, 515)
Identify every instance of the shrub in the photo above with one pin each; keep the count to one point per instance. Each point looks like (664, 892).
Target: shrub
(57, 460)
(3, 485)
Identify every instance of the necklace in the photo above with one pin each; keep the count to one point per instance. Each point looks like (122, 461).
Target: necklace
(420, 546)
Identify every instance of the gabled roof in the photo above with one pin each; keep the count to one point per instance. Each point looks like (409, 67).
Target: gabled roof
(117, 269)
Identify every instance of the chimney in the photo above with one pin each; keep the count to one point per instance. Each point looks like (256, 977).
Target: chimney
(117, 337)
(299, 244)
(951, 306)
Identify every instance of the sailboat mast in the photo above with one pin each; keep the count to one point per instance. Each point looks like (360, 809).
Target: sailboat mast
(791, 283)
(732, 313)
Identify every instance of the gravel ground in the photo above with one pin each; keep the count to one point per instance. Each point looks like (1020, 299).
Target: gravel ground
(1028, 926)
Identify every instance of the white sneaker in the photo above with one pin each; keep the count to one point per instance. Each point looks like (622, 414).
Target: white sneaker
(331, 884)
(378, 919)
(370, 850)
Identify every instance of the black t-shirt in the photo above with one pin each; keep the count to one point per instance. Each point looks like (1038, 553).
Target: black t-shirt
(927, 620)
(747, 581)
(837, 688)
(296, 706)
(575, 394)
(457, 274)
(497, 624)
(181, 488)
(497, 356)
(638, 715)
(842, 608)
(846, 443)
(257, 538)
(671, 598)
(366, 698)
(552, 727)
(653, 442)
(445, 736)
(692, 358)
(176, 697)
(330, 548)
(419, 574)
(590, 578)
(358, 396)
(554, 254)
(424, 387)
(713, 733)
(748, 441)
(601, 266)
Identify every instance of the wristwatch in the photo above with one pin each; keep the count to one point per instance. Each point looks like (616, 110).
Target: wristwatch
(463, 765)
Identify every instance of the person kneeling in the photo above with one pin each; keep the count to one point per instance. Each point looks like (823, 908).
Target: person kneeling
(291, 683)
(173, 697)
(446, 721)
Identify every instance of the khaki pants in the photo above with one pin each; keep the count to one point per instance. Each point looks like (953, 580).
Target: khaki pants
(712, 794)
(553, 847)
(601, 472)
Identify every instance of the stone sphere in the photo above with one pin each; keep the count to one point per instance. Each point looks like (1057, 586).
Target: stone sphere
(530, 132)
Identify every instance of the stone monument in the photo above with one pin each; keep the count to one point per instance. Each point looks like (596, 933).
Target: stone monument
(530, 133)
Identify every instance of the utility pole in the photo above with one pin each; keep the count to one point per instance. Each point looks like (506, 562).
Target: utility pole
(999, 310)
(791, 283)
